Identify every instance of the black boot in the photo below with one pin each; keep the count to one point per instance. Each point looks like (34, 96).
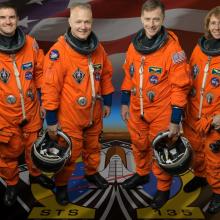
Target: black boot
(134, 181)
(62, 195)
(43, 180)
(160, 199)
(195, 183)
(10, 196)
(97, 180)
(214, 205)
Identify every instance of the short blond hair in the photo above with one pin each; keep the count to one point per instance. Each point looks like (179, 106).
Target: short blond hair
(216, 12)
(80, 5)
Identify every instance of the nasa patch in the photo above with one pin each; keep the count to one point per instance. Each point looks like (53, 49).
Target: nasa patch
(29, 75)
(54, 55)
(153, 79)
(215, 82)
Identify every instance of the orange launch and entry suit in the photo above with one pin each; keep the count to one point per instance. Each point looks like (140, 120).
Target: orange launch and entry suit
(20, 77)
(74, 86)
(203, 105)
(158, 81)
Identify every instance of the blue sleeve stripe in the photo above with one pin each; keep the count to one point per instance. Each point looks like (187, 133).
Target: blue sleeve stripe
(125, 97)
(176, 115)
(107, 99)
(51, 117)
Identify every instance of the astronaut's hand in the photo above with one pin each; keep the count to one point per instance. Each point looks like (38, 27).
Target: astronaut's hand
(106, 111)
(174, 131)
(52, 131)
(124, 112)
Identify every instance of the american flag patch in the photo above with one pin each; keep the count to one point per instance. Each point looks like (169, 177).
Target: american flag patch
(179, 57)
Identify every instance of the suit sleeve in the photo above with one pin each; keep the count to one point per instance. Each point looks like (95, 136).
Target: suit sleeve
(179, 76)
(38, 65)
(53, 79)
(106, 78)
(127, 83)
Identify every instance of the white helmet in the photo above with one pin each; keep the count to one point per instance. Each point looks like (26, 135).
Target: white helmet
(48, 155)
(174, 158)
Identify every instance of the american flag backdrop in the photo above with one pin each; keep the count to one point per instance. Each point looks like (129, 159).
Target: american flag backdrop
(115, 22)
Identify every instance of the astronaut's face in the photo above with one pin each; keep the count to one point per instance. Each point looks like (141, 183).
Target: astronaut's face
(8, 21)
(214, 27)
(80, 22)
(152, 21)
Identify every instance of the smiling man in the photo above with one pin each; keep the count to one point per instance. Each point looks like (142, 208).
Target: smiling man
(20, 121)
(77, 78)
(80, 22)
(154, 93)
(8, 22)
(152, 22)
